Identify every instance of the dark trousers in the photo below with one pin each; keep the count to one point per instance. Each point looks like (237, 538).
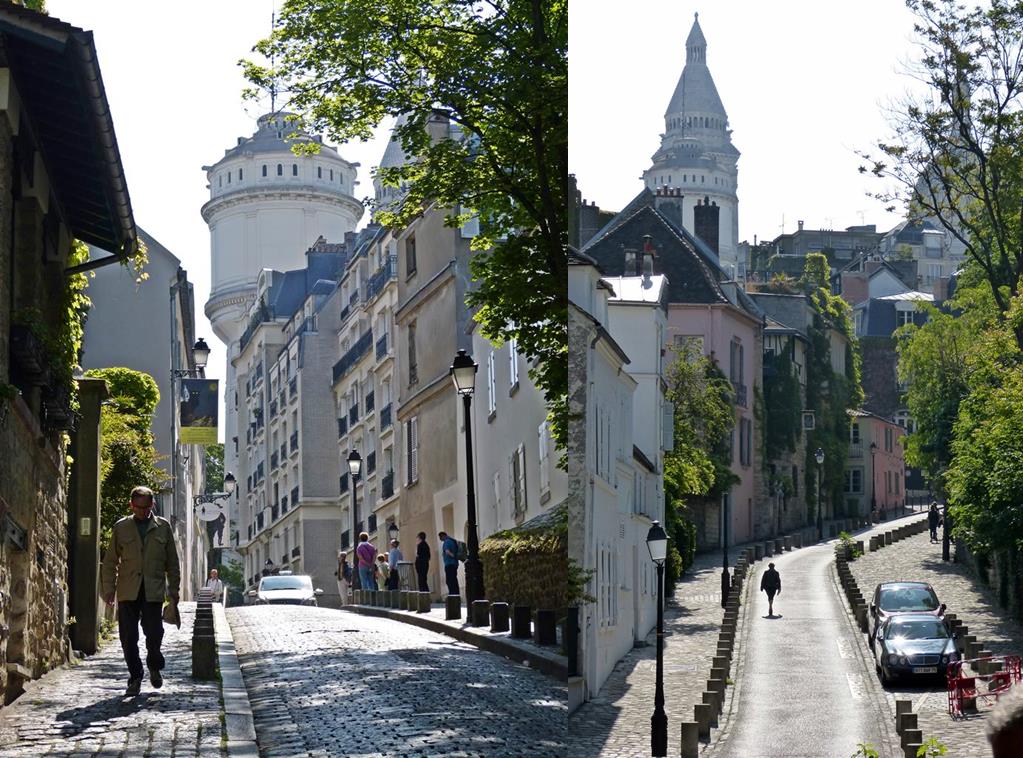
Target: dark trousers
(451, 577)
(422, 569)
(129, 614)
(392, 579)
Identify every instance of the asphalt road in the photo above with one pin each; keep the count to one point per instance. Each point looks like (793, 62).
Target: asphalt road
(328, 683)
(803, 687)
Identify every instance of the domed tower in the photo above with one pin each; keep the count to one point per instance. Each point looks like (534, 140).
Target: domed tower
(267, 206)
(697, 159)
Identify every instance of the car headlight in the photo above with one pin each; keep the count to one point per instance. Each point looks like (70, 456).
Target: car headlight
(893, 659)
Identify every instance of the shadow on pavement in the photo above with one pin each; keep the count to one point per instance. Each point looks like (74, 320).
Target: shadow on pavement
(76, 720)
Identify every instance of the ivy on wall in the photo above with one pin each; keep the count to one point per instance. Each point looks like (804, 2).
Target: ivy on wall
(782, 402)
(526, 565)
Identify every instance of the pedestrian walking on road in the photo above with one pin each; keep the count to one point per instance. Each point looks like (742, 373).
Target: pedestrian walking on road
(139, 568)
(393, 557)
(344, 576)
(422, 561)
(367, 557)
(383, 573)
(770, 583)
(933, 519)
(216, 586)
(449, 552)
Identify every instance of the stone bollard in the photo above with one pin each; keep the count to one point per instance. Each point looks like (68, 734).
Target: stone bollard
(701, 712)
(479, 613)
(859, 546)
(546, 629)
(204, 643)
(724, 652)
(395, 598)
(452, 607)
(910, 749)
(779, 546)
(768, 549)
(758, 552)
(403, 600)
(722, 674)
(887, 538)
(720, 662)
(521, 622)
(906, 721)
(714, 701)
(716, 685)
(901, 707)
(912, 736)
(424, 602)
(788, 543)
(499, 617)
(797, 540)
(690, 739)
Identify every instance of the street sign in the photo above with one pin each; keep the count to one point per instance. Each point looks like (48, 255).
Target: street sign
(209, 511)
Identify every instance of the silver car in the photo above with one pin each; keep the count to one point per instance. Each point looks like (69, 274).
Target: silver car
(913, 645)
(287, 589)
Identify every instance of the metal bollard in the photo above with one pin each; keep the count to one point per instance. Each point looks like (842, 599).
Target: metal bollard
(499, 617)
(479, 614)
(690, 739)
(521, 622)
(453, 607)
(545, 629)
(423, 602)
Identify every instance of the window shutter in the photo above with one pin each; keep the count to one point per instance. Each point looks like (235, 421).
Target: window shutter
(521, 484)
(414, 447)
(512, 491)
(513, 362)
(491, 384)
(497, 492)
(545, 471)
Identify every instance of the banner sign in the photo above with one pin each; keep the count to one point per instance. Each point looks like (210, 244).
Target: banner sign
(199, 411)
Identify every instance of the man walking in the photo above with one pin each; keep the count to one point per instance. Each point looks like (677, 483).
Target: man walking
(771, 584)
(141, 566)
(215, 585)
(449, 552)
(422, 561)
(933, 519)
(393, 556)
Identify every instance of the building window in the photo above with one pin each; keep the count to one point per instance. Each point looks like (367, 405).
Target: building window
(513, 362)
(228, 177)
(410, 256)
(412, 450)
(294, 169)
(332, 175)
(543, 443)
(903, 317)
(491, 385)
(264, 169)
(854, 433)
(280, 170)
(239, 174)
(319, 172)
(854, 481)
(413, 367)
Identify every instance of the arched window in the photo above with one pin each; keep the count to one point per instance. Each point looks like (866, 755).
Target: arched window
(294, 169)
(264, 169)
(280, 170)
(332, 175)
(319, 172)
(239, 174)
(228, 177)
(220, 181)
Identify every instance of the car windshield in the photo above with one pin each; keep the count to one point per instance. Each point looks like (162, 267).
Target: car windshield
(286, 583)
(928, 628)
(908, 598)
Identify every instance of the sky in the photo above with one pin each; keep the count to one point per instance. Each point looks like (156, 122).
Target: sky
(805, 85)
(174, 88)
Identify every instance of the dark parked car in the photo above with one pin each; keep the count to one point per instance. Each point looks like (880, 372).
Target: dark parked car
(289, 589)
(913, 644)
(901, 597)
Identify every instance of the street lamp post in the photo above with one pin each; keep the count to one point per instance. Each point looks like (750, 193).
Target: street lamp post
(819, 456)
(355, 468)
(726, 579)
(873, 481)
(657, 544)
(463, 373)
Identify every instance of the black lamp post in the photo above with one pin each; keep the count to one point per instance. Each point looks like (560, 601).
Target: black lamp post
(945, 532)
(463, 374)
(873, 480)
(726, 580)
(819, 455)
(657, 544)
(355, 468)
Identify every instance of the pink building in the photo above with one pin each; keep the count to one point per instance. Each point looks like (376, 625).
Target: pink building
(875, 473)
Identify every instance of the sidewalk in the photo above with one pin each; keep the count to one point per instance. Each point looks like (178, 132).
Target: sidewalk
(80, 709)
(547, 660)
(918, 559)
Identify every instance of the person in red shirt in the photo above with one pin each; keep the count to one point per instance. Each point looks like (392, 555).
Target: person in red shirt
(366, 554)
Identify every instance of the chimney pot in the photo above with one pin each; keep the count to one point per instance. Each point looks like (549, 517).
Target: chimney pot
(800, 222)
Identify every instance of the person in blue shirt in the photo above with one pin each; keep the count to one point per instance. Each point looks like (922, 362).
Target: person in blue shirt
(449, 552)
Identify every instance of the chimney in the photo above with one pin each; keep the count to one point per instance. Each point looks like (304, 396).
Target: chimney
(707, 223)
(800, 222)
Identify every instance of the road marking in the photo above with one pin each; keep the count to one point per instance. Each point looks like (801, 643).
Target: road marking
(856, 687)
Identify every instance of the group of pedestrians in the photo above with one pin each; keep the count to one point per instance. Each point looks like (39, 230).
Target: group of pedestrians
(379, 570)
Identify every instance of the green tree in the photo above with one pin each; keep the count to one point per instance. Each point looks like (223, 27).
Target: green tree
(214, 456)
(499, 71)
(957, 153)
(698, 465)
(128, 457)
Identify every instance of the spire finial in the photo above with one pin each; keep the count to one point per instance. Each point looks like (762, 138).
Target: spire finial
(696, 15)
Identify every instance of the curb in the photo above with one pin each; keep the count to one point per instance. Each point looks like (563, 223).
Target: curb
(238, 721)
(546, 663)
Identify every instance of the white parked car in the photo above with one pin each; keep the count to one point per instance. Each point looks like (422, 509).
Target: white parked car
(289, 589)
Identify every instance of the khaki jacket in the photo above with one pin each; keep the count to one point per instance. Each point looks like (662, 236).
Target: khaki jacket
(127, 562)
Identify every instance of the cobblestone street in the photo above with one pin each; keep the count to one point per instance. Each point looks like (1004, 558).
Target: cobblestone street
(616, 722)
(329, 683)
(918, 559)
(81, 710)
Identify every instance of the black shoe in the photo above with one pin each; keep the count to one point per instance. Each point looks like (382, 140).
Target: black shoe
(156, 678)
(134, 686)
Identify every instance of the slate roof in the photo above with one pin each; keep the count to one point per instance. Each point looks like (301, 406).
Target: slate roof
(695, 91)
(265, 139)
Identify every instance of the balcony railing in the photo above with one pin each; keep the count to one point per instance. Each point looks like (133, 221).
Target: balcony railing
(379, 280)
(263, 314)
(353, 355)
(382, 347)
(740, 395)
(353, 415)
(369, 401)
(387, 485)
(371, 462)
(342, 427)
(385, 417)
